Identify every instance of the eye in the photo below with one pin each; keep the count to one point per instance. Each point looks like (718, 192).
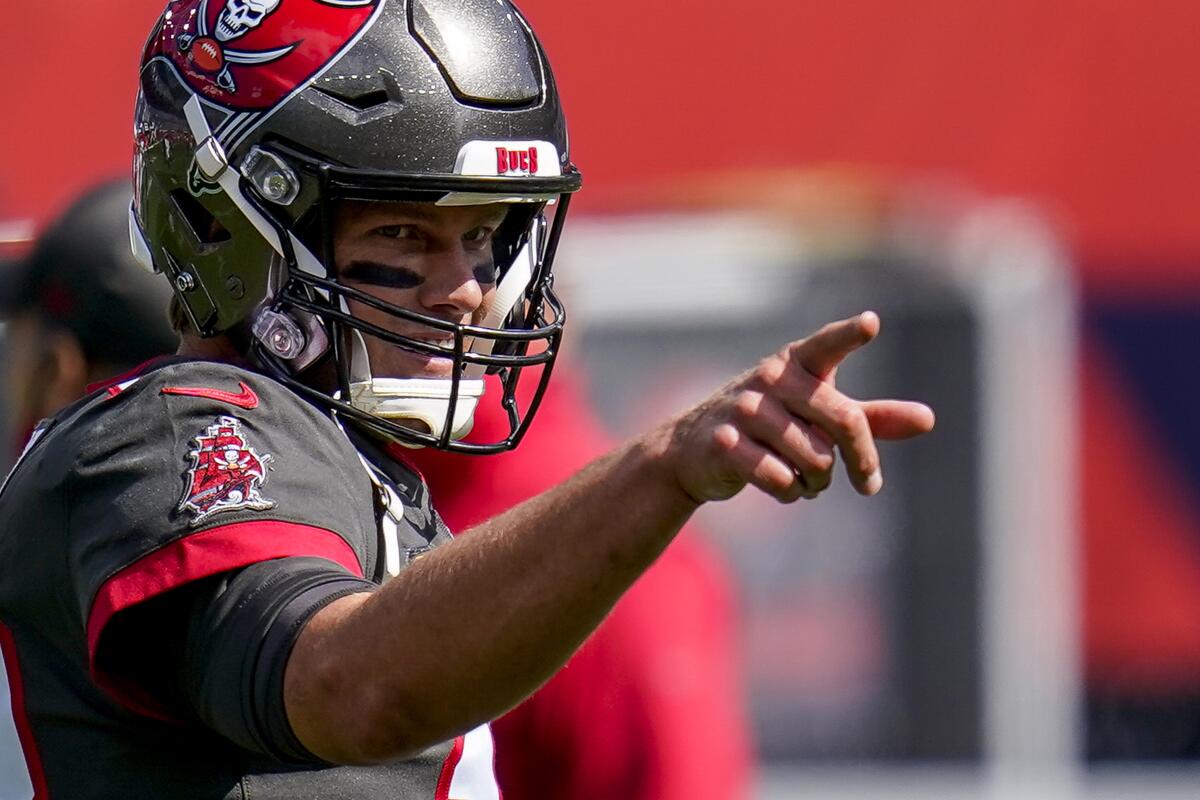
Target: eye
(478, 237)
(396, 231)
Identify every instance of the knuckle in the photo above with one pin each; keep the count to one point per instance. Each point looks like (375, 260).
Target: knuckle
(849, 418)
(868, 463)
(811, 451)
(770, 371)
(824, 449)
(779, 485)
(725, 438)
(747, 404)
(842, 418)
(808, 463)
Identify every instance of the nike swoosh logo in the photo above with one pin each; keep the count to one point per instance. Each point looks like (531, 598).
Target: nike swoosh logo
(247, 399)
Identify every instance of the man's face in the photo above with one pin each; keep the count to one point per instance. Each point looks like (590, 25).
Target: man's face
(435, 260)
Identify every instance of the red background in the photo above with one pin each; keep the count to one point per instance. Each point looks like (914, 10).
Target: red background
(1090, 107)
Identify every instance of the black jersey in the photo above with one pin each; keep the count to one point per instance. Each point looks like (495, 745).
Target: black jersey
(163, 541)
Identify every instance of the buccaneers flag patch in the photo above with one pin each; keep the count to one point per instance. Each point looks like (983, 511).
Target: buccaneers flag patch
(226, 474)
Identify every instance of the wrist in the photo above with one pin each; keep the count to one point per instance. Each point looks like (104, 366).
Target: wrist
(661, 463)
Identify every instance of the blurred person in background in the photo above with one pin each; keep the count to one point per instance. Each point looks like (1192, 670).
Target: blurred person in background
(78, 309)
(651, 707)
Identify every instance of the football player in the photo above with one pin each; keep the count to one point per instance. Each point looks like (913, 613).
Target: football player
(229, 583)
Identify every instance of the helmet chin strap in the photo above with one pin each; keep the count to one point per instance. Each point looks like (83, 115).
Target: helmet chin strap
(425, 401)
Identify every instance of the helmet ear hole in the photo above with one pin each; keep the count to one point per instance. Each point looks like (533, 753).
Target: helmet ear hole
(203, 224)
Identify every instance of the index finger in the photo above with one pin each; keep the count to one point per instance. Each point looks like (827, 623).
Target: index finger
(821, 352)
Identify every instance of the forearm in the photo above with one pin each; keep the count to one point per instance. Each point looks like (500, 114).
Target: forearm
(472, 628)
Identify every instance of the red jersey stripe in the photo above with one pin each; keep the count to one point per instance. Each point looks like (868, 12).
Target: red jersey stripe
(442, 792)
(201, 555)
(16, 689)
(107, 383)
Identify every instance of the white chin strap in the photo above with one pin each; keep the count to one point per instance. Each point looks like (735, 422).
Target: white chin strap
(420, 400)
(424, 401)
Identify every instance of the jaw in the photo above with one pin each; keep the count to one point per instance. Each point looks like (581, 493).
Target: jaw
(422, 404)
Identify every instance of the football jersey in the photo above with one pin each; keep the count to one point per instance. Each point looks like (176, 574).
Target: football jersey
(173, 479)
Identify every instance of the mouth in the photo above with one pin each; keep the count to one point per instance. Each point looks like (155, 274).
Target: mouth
(401, 362)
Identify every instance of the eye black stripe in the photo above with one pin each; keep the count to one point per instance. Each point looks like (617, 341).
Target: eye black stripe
(375, 274)
(485, 273)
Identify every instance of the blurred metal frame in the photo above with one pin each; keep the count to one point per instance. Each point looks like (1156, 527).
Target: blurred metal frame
(659, 278)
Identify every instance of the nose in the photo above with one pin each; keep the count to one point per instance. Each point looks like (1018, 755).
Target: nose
(450, 290)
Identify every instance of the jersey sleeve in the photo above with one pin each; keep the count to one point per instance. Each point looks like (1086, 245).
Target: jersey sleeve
(221, 649)
(197, 470)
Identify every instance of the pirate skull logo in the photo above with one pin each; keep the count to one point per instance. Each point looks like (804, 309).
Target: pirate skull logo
(208, 50)
(247, 56)
(239, 17)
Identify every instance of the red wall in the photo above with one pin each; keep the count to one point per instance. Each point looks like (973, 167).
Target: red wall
(1091, 107)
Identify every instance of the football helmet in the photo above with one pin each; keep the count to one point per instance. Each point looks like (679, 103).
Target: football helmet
(255, 117)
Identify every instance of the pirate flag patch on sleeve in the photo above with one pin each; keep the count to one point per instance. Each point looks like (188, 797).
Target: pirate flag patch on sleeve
(226, 473)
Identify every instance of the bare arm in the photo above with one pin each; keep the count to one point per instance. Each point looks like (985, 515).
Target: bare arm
(471, 629)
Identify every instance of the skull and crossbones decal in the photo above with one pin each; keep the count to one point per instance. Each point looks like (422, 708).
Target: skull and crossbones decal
(208, 49)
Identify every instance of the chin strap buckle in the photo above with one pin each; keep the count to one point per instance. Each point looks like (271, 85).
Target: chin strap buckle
(211, 159)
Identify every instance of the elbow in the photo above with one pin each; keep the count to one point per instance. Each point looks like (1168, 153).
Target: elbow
(365, 729)
(384, 738)
(348, 710)
(350, 722)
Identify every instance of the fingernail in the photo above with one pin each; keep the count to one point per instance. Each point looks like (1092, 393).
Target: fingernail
(874, 482)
